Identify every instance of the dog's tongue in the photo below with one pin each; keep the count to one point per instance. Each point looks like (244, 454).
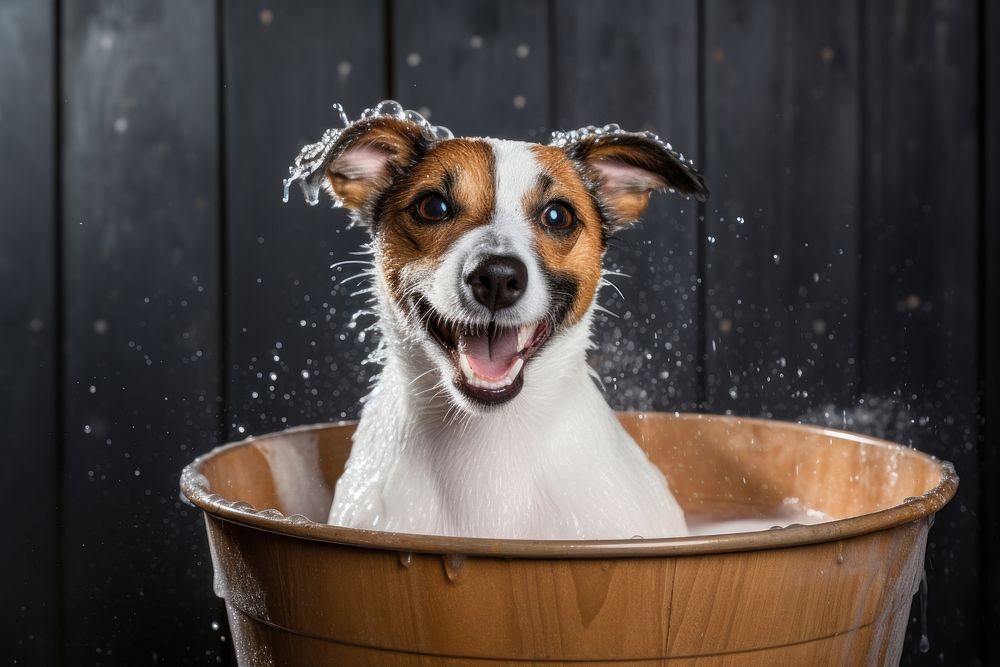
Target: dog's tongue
(490, 354)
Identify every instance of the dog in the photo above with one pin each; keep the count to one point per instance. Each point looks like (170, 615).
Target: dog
(486, 420)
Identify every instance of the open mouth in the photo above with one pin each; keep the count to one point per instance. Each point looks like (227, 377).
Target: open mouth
(488, 359)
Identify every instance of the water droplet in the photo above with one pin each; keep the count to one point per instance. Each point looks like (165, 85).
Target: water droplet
(454, 564)
(344, 69)
(520, 101)
(925, 643)
(406, 558)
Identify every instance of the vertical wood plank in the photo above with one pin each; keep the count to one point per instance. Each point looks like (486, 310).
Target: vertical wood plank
(293, 354)
(479, 67)
(989, 304)
(635, 63)
(920, 231)
(783, 139)
(28, 356)
(141, 224)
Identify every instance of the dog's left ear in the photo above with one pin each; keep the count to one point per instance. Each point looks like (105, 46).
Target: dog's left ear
(627, 167)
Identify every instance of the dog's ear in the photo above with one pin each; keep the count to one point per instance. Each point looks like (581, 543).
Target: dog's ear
(368, 156)
(627, 167)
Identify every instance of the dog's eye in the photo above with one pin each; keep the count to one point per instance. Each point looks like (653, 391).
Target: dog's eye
(433, 208)
(557, 216)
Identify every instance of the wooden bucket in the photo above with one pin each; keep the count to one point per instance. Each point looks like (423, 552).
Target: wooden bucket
(300, 592)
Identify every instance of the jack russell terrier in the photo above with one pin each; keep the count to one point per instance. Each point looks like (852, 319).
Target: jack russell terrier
(486, 420)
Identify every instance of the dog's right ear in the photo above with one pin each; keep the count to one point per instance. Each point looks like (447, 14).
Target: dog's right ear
(368, 156)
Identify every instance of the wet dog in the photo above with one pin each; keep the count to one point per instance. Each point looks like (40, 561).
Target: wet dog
(487, 260)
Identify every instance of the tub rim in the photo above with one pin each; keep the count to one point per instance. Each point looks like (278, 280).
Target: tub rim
(911, 509)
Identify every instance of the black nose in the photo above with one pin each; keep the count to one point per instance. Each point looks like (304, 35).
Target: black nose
(498, 282)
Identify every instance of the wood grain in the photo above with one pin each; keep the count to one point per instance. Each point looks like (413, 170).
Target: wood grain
(287, 63)
(29, 354)
(920, 279)
(635, 63)
(783, 142)
(141, 306)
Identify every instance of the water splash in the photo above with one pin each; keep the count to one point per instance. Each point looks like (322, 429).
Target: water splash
(311, 162)
(563, 138)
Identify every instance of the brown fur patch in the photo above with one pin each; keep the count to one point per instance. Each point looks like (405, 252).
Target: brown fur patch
(461, 170)
(575, 255)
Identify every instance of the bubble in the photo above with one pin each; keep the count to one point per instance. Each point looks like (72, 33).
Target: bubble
(476, 42)
(522, 51)
(413, 59)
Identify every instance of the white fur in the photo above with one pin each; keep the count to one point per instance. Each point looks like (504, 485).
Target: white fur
(552, 463)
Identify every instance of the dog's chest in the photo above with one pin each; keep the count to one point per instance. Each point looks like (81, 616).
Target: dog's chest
(547, 475)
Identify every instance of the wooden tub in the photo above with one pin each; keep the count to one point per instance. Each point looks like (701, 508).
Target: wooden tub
(300, 592)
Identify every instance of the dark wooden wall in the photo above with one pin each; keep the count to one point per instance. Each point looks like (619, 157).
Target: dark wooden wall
(158, 298)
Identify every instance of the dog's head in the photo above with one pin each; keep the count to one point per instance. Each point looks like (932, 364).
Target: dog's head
(490, 251)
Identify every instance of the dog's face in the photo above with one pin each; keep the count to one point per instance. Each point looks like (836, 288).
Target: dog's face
(489, 249)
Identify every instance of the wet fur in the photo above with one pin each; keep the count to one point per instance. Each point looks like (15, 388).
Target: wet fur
(553, 462)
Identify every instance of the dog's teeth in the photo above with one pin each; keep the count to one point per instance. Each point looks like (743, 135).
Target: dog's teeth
(524, 335)
(463, 363)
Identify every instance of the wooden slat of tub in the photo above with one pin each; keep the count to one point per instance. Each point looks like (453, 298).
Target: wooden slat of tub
(782, 135)
(920, 227)
(140, 224)
(28, 329)
(286, 63)
(648, 356)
